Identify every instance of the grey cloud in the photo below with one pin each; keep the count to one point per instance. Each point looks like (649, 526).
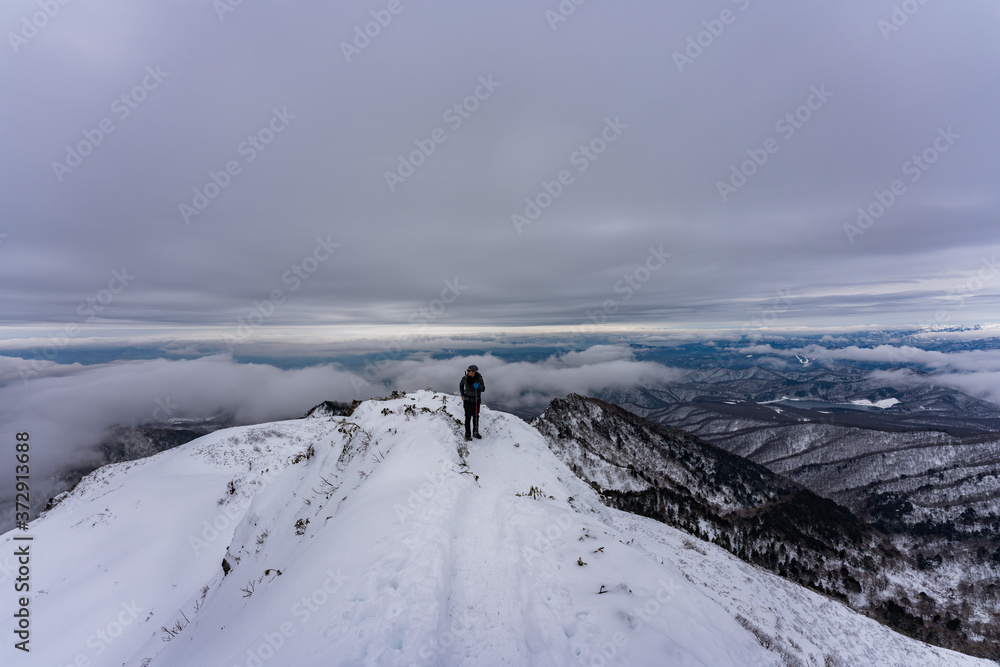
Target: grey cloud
(324, 173)
(970, 360)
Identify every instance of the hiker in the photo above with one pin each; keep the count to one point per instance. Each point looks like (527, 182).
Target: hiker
(471, 388)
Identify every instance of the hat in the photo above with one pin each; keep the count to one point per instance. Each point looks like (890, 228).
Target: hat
(474, 368)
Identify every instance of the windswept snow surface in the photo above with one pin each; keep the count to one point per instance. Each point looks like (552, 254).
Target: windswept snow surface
(883, 404)
(378, 539)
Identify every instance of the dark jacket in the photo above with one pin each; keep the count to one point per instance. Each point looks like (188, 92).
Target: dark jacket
(469, 392)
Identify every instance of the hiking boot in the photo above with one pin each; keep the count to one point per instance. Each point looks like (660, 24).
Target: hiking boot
(477, 436)
(468, 437)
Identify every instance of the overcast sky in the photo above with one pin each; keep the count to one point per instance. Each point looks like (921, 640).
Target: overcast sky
(115, 113)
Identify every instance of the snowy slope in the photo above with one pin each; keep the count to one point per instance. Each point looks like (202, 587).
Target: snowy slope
(378, 539)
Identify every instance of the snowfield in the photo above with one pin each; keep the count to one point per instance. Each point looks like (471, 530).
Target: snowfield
(883, 404)
(383, 539)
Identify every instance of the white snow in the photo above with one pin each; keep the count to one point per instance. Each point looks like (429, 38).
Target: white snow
(373, 540)
(882, 404)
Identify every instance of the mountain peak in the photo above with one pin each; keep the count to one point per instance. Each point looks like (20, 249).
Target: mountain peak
(382, 538)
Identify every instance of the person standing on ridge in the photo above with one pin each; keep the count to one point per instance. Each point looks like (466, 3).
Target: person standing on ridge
(471, 388)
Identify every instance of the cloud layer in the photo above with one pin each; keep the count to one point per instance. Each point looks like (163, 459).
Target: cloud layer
(68, 408)
(976, 372)
(170, 165)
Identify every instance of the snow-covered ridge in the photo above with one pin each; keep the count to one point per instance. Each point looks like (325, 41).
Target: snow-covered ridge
(380, 538)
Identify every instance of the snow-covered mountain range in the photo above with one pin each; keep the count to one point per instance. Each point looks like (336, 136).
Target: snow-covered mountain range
(769, 520)
(925, 471)
(381, 538)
